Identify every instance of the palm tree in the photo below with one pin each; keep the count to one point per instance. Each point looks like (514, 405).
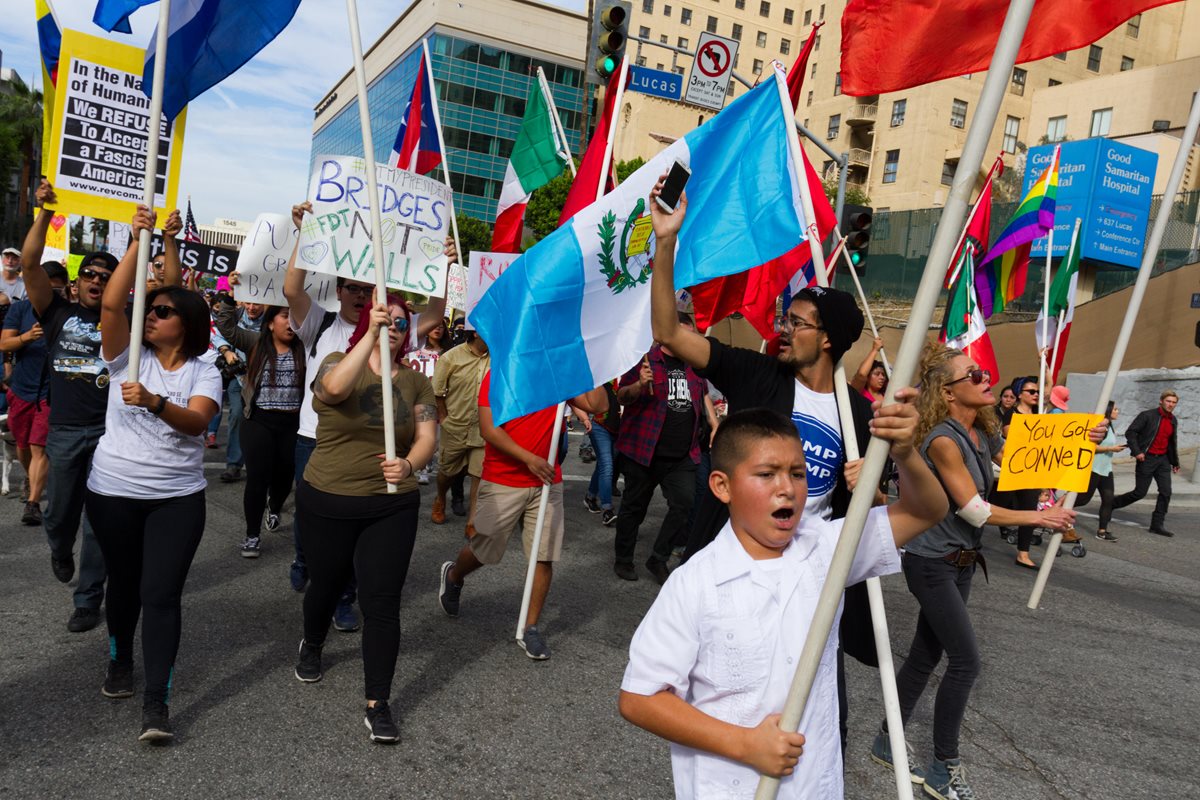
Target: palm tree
(20, 142)
(99, 229)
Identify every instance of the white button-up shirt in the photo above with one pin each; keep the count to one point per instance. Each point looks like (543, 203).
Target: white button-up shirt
(725, 634)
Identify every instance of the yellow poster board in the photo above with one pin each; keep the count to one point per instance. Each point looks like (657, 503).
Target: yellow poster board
(97, 160)
(58, 239)
(1048, 451)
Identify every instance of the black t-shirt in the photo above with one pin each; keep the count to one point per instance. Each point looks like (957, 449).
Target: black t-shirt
(675, 439)
(78, 374)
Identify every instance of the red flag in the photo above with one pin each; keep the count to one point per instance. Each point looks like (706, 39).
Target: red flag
(583, 188)
(979, 226)
(889, 45)
(754, 292)
(416, 148)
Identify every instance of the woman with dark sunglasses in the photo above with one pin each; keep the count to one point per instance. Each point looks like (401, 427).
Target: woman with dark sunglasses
(349, 523)
(145, 493)
(271, 395)
(960, 439)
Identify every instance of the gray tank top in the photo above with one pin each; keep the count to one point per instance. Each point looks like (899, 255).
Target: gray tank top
(953, 531)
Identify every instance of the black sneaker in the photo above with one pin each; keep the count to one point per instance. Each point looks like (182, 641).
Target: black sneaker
(308, 667)
(272, 523)
(32, 515)
(457, 507)
(534, 645)
(249, 547)
(1160, 531)
(63, 568)
(657, 569)
(83, 619)
(380, 723)
(156, 723)
(624, 571)
(1106, 536)
(118, 681)
(591, 503)
(608, 518)
(232, 474)
(448, 591)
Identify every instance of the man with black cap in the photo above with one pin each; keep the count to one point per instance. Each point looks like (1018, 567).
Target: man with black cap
(78, 380)
(817, 328)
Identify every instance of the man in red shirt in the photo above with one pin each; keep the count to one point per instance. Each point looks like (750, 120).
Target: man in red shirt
(515, 472)
(1152, 441)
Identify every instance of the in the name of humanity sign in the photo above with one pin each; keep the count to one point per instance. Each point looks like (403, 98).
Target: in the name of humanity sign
(100, 132)
(1107, 185)
(335, 238)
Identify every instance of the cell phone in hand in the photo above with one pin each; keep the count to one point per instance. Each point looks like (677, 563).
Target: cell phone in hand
(672, 190)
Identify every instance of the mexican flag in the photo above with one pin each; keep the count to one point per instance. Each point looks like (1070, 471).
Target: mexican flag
(536, 160)
(963, 326)
(1062, 301)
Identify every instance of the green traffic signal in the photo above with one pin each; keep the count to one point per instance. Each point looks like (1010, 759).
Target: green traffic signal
(855, 258)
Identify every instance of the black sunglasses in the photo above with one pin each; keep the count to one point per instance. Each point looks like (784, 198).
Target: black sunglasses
(1030, 391)
(162, 311)
(975, 376)
(89, 274)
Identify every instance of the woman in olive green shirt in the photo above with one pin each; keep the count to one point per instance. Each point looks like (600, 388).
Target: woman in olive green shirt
(349, 524)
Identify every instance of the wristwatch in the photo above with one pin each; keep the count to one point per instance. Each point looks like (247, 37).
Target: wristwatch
(162, 405)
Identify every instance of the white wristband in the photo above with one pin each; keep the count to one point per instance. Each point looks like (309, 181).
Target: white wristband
(976, 512)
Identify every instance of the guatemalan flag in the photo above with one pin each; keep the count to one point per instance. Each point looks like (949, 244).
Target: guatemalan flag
(574, 311)
(416, 148)
(208, 40)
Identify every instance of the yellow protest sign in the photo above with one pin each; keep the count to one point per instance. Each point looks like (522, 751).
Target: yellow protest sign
(1048, 451)
(58, 240)
(97, 159)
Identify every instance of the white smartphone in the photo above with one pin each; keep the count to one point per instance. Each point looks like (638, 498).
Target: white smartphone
(677, 178)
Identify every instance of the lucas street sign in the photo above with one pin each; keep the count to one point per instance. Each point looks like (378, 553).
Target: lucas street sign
(655, 82)
(708, 80)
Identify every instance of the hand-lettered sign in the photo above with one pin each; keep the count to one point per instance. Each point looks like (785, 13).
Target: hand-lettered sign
(482, 271)
(336, 237)
(1048, 451)
(262, 265)
(456, 287)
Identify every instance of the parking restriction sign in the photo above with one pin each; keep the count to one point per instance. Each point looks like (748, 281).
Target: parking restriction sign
(708, 81)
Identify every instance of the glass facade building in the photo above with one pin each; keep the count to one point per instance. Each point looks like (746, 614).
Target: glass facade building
(481, 91)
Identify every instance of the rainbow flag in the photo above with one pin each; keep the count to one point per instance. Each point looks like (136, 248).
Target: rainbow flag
(1001, 277)
(49, 42)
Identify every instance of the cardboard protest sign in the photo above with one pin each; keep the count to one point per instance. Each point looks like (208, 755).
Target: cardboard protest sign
(482, 271)
(119, 234)
(456, 287)
(97, 158)
(58, 240)
(336, 238)
(1048, 451)
(262, 264)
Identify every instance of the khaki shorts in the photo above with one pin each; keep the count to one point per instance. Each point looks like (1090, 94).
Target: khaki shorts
(453, 459)
(501, 508)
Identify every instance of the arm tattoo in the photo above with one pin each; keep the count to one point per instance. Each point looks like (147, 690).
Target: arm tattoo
(426, 413)
(318, 383)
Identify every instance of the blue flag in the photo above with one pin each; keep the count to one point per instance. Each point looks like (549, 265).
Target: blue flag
(574, 311)
(113, 15)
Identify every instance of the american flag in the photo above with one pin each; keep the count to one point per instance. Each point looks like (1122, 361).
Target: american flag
(190, 232)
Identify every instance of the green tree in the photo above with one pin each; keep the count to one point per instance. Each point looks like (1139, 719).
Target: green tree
(473, 234)
(854, 195)
(77, 236)
(546, 204)
(627, 168)
(99, 231)
(20, 136)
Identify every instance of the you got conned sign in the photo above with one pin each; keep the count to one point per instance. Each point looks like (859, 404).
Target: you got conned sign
(1048, 451)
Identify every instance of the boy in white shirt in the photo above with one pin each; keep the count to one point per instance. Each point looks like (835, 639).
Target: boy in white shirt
(711, 663)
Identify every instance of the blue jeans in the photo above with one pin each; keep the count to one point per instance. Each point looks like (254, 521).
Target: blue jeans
(304, 450)
(233, 451)
(69, 450)
(602, 475)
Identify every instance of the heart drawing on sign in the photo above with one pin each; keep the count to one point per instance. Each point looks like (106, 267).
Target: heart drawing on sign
(57, 221)
(314, 253)
(430, 247)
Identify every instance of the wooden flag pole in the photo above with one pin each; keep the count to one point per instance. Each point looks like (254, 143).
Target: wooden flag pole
(364, 119)
(1135, 303)
(883, 643)
(138, 323)
(953, 214)
(437, 124)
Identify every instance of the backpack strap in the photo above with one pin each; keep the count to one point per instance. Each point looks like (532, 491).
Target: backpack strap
(326, 323)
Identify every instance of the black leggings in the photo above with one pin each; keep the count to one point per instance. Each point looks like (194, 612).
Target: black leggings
(1103, 483)
(269, 447)
(1026, 500)
(148, 546)
(943, 625)
(368, 537)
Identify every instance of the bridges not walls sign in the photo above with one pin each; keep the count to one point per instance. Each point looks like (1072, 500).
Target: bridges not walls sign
(1048, 451)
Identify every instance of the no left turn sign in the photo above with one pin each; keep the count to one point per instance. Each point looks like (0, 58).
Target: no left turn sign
(712, 68)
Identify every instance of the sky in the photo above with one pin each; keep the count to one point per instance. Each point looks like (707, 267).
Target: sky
(246, 144)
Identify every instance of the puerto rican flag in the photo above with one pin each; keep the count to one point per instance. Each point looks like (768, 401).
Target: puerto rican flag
(416, 148)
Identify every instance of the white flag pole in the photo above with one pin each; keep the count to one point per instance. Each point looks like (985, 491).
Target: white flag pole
(562, 407)
(883, 642)
(437, 124)
(962, 237)
(560, 133)
(364, 120)
(612, 128)
(1149, 255)
(953, 214)
(138, 323)
(1045, 310)
(866, 307)
(1055, 361)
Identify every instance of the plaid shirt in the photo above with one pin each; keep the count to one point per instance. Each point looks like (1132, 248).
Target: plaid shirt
(642, 420)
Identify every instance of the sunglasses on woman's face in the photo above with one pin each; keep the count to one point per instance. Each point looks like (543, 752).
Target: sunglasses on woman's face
(400, 324)
(975, 376)
(162, 311)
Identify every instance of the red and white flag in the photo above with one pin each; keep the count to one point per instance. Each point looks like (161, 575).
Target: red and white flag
(416, 148)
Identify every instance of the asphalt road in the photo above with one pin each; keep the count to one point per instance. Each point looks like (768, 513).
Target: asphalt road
(1092, 696)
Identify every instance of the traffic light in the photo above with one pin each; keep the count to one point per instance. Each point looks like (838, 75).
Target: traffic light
(856, 227)
(610, 32)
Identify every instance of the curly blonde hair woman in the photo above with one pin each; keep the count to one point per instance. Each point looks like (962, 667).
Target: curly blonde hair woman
(960, 438)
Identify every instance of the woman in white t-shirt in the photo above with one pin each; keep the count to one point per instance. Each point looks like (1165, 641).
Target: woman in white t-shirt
(145, 492)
